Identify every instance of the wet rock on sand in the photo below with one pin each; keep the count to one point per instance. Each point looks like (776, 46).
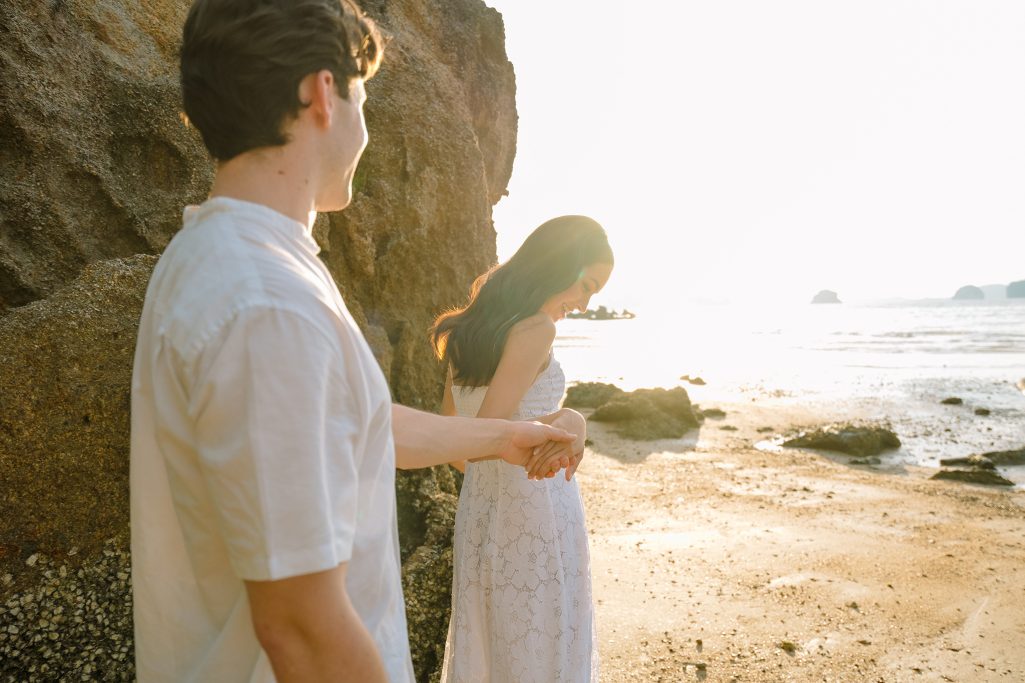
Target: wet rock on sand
(591, 394)
(1016, 457)
(852, 439)
(986, 477)
(982, 412)
(714, 413)
(976, 461)
(650, 414)
(952, 401)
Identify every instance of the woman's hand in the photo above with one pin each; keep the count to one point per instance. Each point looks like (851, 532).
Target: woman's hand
(534, 446)
(570, 454)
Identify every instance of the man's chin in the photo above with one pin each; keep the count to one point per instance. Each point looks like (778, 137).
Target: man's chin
(334, 203)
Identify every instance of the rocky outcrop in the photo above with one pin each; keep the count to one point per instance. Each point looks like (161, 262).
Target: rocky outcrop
(647, 414)
(860, 440)
(826, 296)
(95, 166)
(969, 293)
(1016, 290)
(591, 394)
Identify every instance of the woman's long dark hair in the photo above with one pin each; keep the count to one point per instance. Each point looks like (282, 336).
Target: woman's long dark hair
(551, 260)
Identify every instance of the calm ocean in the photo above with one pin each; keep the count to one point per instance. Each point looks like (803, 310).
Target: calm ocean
(892, 361)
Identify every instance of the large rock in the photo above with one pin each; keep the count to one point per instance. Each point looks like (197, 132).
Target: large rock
(647, 414)
(860, 440)
(1016, 290)
(95, 164)
(591, 394)
(969, 293)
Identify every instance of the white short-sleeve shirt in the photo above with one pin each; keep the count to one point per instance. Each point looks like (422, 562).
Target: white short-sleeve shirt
(261, 447)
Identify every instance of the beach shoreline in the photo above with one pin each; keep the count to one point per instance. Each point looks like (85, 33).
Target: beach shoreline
(717, 560)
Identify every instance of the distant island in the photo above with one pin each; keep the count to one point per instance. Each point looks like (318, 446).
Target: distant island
(826, 296)
(1015, 290)
(602, 313)
(969, 293)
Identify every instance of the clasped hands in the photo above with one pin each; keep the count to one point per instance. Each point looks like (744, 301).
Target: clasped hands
(545, 449)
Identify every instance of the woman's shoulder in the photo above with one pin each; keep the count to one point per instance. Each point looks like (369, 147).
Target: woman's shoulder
(538, 328)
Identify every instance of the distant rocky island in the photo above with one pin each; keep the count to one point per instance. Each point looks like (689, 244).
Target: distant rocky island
(969, 293)
(1015, 290)
(826, 296)
(602, 313)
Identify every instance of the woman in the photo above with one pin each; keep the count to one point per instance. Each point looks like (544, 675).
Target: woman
(521, 595)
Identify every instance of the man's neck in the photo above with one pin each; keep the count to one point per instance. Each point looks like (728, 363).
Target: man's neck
(272, 178)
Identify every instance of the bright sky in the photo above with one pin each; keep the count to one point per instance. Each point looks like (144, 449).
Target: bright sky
(747, 148)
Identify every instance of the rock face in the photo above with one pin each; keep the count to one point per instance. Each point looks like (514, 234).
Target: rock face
(96, 165)
(95, 162)
(647, 414)
(1016, 290)
(860, 440)
(969, 293)
(826, 296)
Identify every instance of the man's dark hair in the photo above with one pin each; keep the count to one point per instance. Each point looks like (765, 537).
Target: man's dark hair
(242, 62)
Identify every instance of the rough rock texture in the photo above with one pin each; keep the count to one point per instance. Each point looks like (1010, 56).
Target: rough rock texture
(94, 159)
(980, 462)
(591, 394)
(95, 164)
(64, 393)
(650, 414)
(851, 439)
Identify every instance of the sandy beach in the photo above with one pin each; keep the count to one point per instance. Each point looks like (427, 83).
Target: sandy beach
(715, 560)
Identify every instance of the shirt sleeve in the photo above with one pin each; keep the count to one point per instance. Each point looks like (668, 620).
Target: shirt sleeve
(276, 435)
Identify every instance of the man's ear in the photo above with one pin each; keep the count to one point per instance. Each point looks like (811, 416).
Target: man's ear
(316, 93)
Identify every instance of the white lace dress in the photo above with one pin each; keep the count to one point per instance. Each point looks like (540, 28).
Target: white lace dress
(521, 593)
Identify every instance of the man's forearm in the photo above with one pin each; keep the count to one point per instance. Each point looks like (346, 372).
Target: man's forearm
(424, 439)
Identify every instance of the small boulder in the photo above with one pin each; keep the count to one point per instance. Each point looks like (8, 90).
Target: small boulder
(984, 477)
(714, 413)
(697, 381)
(591, 394)
(852, 439)
(982, 412)
(871, 460)
(952, 401)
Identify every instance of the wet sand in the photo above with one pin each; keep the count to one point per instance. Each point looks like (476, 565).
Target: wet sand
(717, 561)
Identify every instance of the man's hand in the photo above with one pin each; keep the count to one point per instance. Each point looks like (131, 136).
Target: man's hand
(572, 422)
(529, 439)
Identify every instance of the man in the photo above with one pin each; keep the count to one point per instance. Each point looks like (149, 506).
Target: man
(264, 441)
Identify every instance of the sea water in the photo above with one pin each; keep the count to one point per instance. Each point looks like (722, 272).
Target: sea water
(890, 361)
